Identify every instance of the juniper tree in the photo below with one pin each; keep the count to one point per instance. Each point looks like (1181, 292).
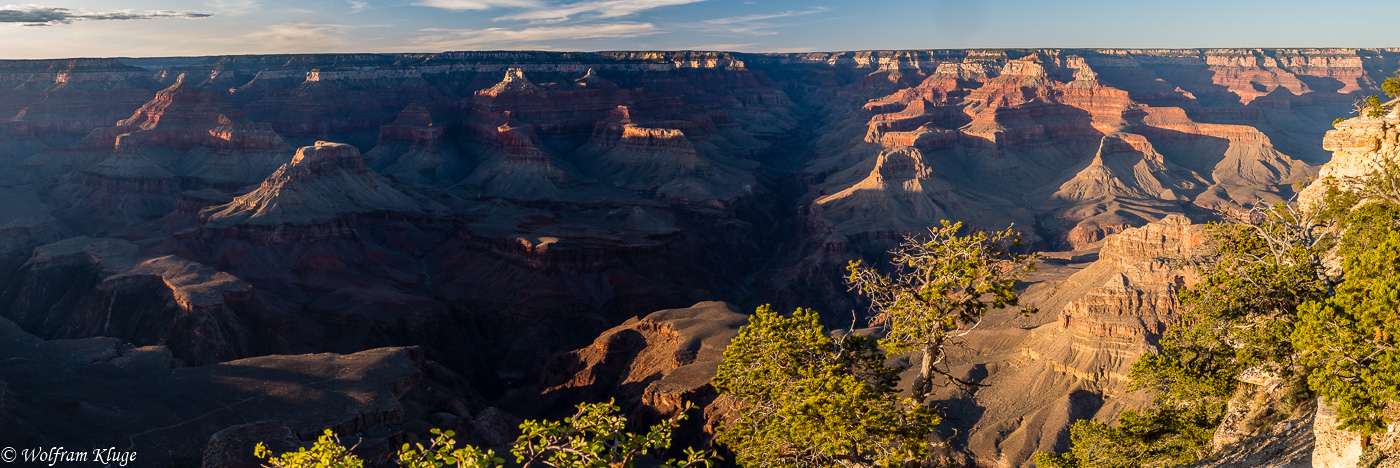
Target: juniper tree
(941, 288)
(804, 398)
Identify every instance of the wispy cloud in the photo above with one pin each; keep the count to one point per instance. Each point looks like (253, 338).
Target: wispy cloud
(592, 9)
(478, 4)
(298, 37)
(234, 7)
(34, 15)
(535, 37)
(356, 7)
(756, 24)
(766, 16)
(726, 46)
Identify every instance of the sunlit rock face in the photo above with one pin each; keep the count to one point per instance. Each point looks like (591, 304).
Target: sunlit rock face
(499, 208)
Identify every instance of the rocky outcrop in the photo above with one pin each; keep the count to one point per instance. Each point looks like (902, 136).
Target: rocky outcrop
(414, 150)
(658, 160)
(168, 414)
(652, 366)
(1069, 119)
(902, 191)
(515, 166)
(1134, 283)
(82, 287)
(1334, 447)
(636, 361)
(311, 198)
(1359, 146)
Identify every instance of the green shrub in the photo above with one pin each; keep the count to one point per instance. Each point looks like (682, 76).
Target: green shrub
(594, 437)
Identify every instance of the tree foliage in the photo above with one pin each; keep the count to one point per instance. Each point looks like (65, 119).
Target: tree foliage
(1157, 436)
(1160, 436)
(806, 398)
(1241, 313)
(942, 287)
(327, 452)
(1348, 340)
(1268, 297)
(1391, 86)
(442, 451)
(594, 437)
(1369, 107)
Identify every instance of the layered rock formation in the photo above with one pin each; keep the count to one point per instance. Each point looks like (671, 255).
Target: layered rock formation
(659, 361)
(1047, 119)
(322, 184)
(83, 287)
(1094, 320)
(184, 138)
(1359, 146)
(49, 104)
(414, 150)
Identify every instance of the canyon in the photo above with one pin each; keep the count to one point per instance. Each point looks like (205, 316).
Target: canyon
(386, 243)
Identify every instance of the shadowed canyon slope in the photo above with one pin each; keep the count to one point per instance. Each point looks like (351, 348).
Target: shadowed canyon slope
(490, 223)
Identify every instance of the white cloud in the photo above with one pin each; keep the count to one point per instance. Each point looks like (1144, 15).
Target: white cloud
(478, 4)
(600, 9)
(355, 6)
(530, 37)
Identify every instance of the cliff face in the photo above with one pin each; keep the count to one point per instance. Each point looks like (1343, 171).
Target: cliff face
(496, 208)
(1359, 146)
(1059, 136)
(1095, 318)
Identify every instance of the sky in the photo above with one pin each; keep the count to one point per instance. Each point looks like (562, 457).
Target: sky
(154, 28)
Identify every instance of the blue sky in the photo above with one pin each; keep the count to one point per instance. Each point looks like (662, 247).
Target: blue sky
(105, 28)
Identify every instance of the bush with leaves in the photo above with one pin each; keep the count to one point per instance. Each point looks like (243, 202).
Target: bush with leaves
(942, 287)
(442, 451)
(327, 452)
(1391, 86)
(1370, 107)
(594, 437)
(1348, 340)
(806, 398)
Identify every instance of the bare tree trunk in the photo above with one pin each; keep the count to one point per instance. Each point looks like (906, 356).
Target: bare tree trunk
(924, 383)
